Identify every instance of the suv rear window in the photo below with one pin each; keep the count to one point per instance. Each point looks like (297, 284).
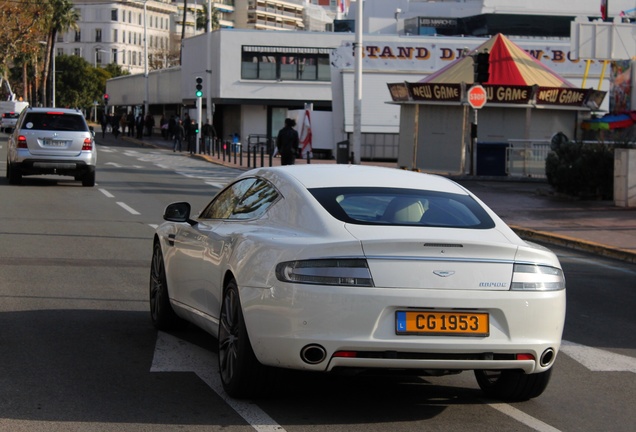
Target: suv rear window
(410, 207)
(54, 121)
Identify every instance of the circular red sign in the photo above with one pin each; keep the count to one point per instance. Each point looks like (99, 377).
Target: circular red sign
(477, 96)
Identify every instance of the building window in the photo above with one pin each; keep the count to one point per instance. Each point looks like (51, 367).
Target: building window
(98, 35)
(114, 35)
(285, 63)
(113, 55)
(113, 15)
(130, 17)
(134, 58)
(77, 51)
(78, 36)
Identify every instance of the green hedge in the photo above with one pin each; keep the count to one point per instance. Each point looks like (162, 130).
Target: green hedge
(580, 170)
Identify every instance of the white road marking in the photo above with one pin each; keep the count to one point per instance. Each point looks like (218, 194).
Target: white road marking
(524, 418)
(153, 226)
(216, 185)
(598, 360)
(176, 355)
(127, 208)
(108, 194)
(116, 165)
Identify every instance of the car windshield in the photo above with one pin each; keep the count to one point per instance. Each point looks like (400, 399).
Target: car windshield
(55, 121)
(410, 207)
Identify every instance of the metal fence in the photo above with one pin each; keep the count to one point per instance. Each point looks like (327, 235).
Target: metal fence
(526, 158)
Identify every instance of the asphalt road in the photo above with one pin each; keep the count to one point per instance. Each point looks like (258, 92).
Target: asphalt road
(78, 351)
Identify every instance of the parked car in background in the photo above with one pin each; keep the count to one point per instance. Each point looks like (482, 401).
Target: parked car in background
(350, 268)
(51, 141)
(8, 121)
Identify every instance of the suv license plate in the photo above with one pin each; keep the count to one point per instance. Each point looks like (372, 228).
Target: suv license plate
(436, 323)
(54, 143)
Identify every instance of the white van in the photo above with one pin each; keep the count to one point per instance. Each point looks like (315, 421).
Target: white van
(9, 112)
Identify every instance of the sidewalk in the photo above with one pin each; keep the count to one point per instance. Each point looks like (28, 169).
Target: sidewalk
(531, 208)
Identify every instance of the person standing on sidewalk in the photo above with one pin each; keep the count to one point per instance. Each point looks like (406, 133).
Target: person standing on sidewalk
(179, 132)
(130, 119)
(208, 136)
(139, 126)
(288, 142)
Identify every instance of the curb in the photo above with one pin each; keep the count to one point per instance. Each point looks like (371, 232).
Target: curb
(574, 243)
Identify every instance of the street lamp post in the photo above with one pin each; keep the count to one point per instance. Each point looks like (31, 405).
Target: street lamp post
(146, 58)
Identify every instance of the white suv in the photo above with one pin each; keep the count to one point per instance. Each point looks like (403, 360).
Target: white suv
(52, 141)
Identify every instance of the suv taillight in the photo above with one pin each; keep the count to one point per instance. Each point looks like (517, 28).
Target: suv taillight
(88, 144)
(22, 142)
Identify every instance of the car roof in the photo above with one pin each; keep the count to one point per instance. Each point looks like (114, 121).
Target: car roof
(341, 175)
(53, 110)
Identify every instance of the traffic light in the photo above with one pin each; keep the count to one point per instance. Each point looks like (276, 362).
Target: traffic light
(105, 98)
(199, 92)
(482, 65)
(196, 128)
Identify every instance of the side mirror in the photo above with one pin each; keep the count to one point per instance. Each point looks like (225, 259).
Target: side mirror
(178, 212)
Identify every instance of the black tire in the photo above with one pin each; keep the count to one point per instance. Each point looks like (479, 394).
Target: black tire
(161, 313)
(512, 385)
(88, 179)
(241, 373)
(14, 174)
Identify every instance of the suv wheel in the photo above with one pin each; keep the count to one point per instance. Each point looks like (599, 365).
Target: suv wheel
(14, 174)
(89, 178)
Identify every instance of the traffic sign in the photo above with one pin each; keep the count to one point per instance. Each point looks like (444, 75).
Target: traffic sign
(477, 96)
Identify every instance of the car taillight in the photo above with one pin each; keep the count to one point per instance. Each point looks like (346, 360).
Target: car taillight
(22, 142)
(343, 272)
(532, 277)
(88, 144)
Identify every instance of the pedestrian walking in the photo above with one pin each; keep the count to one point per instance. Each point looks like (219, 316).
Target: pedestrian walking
(104, 123)
(288, 142)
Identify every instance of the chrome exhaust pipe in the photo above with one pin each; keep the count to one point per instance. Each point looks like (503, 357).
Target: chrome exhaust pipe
(313, 354)
(547, 357)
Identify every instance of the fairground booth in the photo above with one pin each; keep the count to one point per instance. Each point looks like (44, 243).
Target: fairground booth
(526, 105)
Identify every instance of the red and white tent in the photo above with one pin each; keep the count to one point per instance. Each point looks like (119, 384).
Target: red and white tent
(509, 65)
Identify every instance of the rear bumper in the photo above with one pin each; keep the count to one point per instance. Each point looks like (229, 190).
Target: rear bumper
(59, 167)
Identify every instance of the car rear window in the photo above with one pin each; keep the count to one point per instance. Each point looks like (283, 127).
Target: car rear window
(54, 121)
(407, 207)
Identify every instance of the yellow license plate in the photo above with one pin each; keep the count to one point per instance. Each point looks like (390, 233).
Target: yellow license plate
(436, 323)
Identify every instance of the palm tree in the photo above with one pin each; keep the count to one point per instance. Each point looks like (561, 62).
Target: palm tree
(63, 17)
(202, 18)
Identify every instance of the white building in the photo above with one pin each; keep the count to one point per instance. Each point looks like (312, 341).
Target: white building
(252, 78)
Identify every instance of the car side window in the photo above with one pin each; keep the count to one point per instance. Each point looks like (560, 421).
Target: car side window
(256, 201)
(223, 204)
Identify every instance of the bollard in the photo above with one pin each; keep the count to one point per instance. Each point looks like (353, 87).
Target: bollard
(262, 157)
